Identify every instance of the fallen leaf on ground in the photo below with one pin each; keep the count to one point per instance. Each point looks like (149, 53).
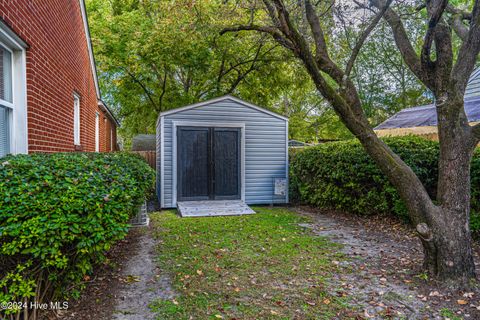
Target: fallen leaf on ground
(131, 278)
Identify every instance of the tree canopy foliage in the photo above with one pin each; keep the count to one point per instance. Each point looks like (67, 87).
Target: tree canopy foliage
(154, 56)
(442, 58)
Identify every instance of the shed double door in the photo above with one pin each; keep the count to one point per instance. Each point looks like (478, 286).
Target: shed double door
(208, 163)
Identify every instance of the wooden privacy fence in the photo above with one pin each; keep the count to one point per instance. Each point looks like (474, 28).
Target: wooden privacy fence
(149, 156)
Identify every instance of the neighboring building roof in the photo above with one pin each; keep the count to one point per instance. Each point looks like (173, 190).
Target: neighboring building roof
(297, 143)
(426, 116)
(423, 116)
(227, 97)
(144, 142)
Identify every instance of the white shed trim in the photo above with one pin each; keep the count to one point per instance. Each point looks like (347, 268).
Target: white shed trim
(227, 97)
(176, 124)
(287, 162)
(162, 162)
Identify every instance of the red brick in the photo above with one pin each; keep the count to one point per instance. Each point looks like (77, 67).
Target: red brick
(58, 65)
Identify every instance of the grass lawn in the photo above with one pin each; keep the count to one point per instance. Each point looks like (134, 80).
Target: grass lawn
(262, 266)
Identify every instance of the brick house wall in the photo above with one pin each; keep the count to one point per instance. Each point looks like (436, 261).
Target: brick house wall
(58, 65)
(110, 135)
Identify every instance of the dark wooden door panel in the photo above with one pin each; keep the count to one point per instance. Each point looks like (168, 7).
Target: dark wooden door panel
(226, 158)
(208, 163)
(193, 163)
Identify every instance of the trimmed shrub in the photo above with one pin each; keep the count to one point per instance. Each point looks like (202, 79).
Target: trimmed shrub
(342, 176)
(59, 214)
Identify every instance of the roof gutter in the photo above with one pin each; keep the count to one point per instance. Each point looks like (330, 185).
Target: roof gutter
(107, 110)
(101, 104)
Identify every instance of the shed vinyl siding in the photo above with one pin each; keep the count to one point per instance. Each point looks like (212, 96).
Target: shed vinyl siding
(265, 147)
(159, 161)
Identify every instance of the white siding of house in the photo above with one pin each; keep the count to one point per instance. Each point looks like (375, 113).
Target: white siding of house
(265, 148)
(473, 87)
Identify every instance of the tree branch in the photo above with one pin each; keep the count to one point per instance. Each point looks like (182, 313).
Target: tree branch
(164, 89)
(317, 32)
(459, 27)
(468, 52)
(323, 59)
(144, 88)
(269, 30)
(456, 21)
(250, 69)
(476, 133)
(435, 9)
(363, 38)
(255, 58)
(464, 15)
(403, 43)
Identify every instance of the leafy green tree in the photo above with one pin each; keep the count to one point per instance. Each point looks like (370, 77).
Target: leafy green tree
(158, 55)
(449, 49)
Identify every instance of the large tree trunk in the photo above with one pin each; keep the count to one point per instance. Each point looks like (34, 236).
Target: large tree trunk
(448, 250)
(443, 225)
(447, 247)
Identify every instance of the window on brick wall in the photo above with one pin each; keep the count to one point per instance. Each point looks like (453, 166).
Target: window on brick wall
(13, 93)
(76, 119)
(97, 132)
(6, 102)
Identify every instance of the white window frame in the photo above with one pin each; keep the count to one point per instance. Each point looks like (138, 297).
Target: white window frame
(9, 106)
(111, 139)
(76, 119)
(17, 115)
(97, 132)
(6, 103)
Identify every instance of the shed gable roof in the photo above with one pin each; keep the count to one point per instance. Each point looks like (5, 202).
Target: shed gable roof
(223, 98)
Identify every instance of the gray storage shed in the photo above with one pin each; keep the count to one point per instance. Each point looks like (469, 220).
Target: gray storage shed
(222, 149)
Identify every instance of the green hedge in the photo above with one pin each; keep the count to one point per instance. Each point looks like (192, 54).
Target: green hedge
(59, 214)
(342, 176)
